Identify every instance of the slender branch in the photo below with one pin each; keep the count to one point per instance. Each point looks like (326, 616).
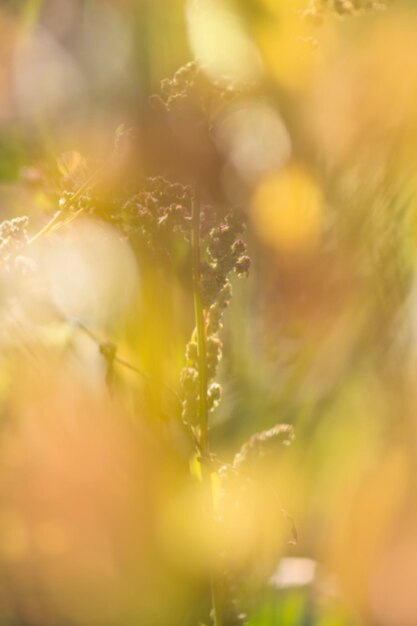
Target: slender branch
(120, 360)
(55, 220)
(126, 364)
(47, 228)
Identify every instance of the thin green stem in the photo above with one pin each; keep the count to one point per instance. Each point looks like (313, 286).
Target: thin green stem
(200, 332)
(47, 228)
(203, 384)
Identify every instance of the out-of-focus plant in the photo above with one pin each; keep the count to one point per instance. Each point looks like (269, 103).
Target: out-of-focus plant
(129, 375)
(163, 216)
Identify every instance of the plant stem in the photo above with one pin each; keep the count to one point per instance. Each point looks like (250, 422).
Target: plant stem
(47, 228)
(203, 383)
(200, 332)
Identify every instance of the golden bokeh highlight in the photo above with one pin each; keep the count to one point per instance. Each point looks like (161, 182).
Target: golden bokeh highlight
(289, 51)
(218, 39)
(287, 210)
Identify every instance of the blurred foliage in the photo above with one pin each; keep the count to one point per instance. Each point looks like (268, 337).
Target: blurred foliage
(291, 125)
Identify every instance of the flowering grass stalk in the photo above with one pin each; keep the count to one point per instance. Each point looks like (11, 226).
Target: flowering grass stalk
(200, 331)
(202, 377)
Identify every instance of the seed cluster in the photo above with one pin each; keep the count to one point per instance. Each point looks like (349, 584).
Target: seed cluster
(317, 9)
(156, 212)
(190, 88)
(82, 202)
(261, 443)
(224, 252)
(13, 237)
(236, 481)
